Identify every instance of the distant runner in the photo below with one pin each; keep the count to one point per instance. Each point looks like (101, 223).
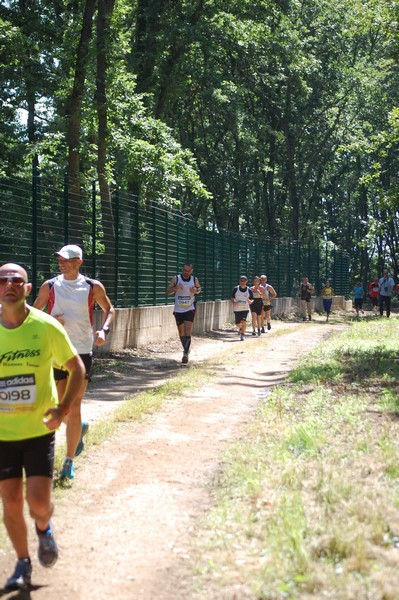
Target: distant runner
(358, 296)
(305, 293)
(327, 294)
(241, 298)
(374, 293)
(270, 294)
(185, 287)
(258, 293)
(386, 285)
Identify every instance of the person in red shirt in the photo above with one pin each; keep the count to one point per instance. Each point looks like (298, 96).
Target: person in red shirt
(374, 294)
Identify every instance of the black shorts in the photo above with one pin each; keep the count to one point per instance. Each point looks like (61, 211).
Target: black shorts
(374, 300)
(257, 306)
(241, 315)
(87, 361)
(184, 316)
(35, 456)
(267, 307)
(358, 303)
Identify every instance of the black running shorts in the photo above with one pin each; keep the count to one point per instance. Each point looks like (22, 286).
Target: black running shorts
(87, 361)
(241, 315)
(184, 316)
(35, 456)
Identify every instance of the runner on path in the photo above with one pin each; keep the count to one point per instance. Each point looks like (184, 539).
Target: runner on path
(241, 298)
(30, 412)
(374, 293)
(258, 293)
(185, 286)
(386, 286)
(305, 293)
(327, 294)
(270, 294)
(70, 298)
(358, 295)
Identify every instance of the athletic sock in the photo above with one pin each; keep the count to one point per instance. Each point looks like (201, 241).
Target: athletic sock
(43, 531)
(186, 341)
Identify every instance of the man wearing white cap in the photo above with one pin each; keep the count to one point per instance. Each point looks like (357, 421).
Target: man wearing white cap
(70, 298)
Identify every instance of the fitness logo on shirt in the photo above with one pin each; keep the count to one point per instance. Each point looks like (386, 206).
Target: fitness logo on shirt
(13, 355)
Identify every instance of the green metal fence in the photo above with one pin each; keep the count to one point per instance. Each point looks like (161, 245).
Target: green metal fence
(135, 250)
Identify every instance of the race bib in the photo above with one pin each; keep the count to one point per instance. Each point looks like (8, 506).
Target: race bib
(17, 393)
(184, 301)
(242, 305)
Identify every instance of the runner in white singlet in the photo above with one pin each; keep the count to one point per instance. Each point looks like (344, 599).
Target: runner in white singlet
(70, 298)
(185, 286)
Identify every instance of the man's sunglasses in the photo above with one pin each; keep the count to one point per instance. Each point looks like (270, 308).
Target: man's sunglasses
(13, 279)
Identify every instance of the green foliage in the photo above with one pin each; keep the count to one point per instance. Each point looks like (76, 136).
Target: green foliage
(279, 118)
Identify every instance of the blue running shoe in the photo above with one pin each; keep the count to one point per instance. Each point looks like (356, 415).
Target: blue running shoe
(68, 469)
(47, 551)
(22, 575)
(81, 444)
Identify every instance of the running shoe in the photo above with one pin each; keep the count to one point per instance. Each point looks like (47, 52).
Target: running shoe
(47, 551)
(242, 337)
(22, 575)
(269, 326)
(310, 317)
(68, 469)
(185, 358)
(258, 332)
(254, 332)
(81, 444)
(263, 330)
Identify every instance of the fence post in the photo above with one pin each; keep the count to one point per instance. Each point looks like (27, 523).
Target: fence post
(327, 274)
(66, 209)
(116, 257)
(93, 229)
(166, 253)
(205, 281)
(246, 258)
(137, 251)
(214, 260)
(154, 252)
(35, 199)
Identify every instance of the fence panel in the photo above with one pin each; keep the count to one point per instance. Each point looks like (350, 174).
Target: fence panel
(135, 249)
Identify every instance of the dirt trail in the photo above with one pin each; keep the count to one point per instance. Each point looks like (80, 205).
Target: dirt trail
(124, 527)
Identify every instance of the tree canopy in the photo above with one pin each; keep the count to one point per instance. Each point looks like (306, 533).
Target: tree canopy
(274, 118)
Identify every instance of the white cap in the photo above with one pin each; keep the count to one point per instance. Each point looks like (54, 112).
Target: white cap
(70, 251)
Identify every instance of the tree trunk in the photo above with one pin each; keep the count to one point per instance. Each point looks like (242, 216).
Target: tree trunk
(74, 109)
(105, 8)
(290, 166)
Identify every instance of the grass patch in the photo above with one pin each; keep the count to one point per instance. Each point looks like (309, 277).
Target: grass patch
(307, 503)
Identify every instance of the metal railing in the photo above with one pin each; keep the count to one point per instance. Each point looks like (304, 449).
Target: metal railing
(135, 249)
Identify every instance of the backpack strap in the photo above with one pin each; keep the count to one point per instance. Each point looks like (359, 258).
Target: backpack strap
(90, 282)
(51, 282)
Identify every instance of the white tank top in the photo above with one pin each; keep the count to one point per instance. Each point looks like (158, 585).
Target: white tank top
(184, 299)
(241, 299)
(74, 299)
